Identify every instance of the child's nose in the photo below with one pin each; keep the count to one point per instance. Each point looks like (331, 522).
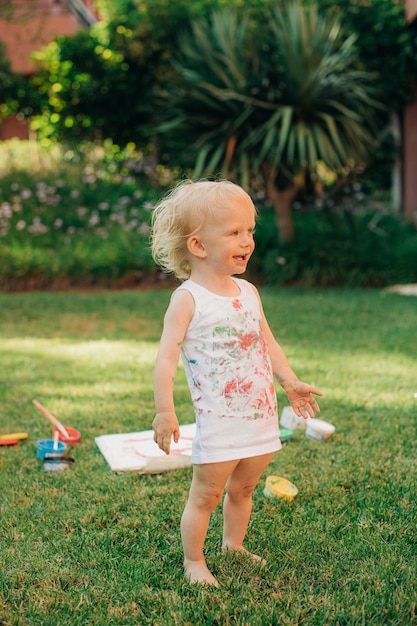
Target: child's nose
(246, 239)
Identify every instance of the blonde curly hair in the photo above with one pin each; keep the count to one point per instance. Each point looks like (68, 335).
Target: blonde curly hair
(181, 214)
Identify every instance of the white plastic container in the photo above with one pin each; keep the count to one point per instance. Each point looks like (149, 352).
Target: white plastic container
(289, 419)
(319, 429)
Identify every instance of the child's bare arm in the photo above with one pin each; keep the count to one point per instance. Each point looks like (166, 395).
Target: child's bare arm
(299, 393)
(177, 319)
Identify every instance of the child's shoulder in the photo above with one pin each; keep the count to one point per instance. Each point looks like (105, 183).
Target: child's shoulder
(245, 284)
(187, 286)
(182, 303)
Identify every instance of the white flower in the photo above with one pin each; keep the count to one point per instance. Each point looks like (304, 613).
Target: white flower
(102, 232)
(131, 225)
(53, 200)
(117, 217)
(143, 229)
(37, 228)
(94, 219)
(20, 225)
(6, 209)
(89, 179)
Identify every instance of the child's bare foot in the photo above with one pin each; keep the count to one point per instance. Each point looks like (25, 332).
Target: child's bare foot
(198, 572)
(243, 550)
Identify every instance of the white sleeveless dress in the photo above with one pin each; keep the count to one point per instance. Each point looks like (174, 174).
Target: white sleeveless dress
(229, 373)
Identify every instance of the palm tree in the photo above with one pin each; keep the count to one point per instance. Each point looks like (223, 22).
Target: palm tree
(272, 100)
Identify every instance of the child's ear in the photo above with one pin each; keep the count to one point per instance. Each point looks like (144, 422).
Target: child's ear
(196, 247)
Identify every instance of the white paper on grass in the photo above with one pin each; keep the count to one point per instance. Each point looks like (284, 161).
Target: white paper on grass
(138, 451)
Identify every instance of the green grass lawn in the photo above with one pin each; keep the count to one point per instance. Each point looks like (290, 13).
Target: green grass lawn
(88, 546)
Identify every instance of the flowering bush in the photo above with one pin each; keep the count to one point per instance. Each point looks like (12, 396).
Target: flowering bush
(84, 214)
(82, 217)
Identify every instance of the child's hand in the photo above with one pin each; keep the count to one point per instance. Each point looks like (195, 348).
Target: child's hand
(165, 426)
(299, 395)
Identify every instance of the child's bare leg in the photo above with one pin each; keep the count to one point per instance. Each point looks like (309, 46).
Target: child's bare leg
(206, 491)
(237, 504)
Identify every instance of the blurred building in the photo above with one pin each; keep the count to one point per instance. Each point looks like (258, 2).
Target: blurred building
(29, 25)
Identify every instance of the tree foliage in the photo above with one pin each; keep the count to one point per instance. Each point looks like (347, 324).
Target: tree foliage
(103, 83)
(386, 44)
(274, 105)
(7, 84)
(89, 90)
(106, 82)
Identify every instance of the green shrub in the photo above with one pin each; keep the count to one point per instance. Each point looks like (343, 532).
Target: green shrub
(81, 217)
(362, 249)
(73, 216)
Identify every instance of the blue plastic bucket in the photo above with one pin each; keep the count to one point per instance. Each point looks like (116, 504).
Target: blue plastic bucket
(46, 446)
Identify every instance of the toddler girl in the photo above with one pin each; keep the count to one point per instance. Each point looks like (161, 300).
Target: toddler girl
(203, 233)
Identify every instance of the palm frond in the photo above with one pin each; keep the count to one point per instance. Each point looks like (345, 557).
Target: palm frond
(303, 101)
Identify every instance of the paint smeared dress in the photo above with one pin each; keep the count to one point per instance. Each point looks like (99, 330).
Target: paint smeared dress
(229, 373)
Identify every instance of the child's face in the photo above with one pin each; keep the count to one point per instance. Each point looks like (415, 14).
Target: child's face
(225, 242)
